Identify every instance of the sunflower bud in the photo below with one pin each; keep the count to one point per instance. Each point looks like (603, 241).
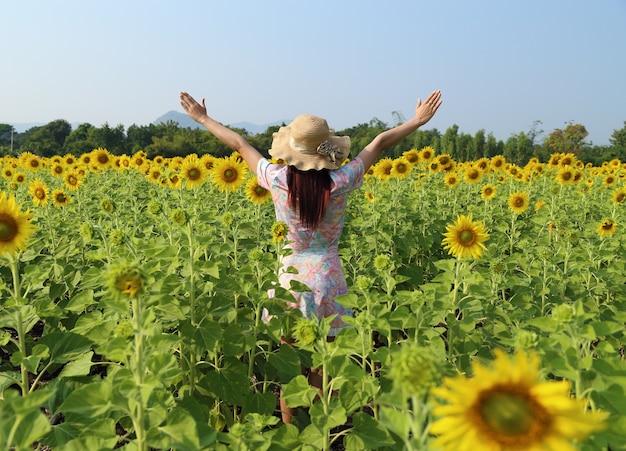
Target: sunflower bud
(154, 207)
(413, 370)
(563, 313)
(179, 217)
(382, 262)
(306, 332)
(86, 231)
(126, 280)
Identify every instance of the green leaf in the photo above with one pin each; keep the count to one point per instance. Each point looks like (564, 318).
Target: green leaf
(326, 421)
(179, 432)
(299, 393)
(543, 323)
(78, 367)
(91, 400)
(286, 361)
(65, 346)
(229, 383)
(367, 433)
(79, 302)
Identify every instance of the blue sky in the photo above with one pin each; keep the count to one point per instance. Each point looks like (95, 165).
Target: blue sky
(501, 65)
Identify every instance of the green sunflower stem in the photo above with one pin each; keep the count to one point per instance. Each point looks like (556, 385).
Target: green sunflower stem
(21, 334)
(192, 305)
(138, 373)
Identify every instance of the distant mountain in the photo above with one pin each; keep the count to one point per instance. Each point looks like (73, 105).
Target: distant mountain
(186, 122)
(181, 118)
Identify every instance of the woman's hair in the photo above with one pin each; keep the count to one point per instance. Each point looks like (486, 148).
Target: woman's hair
(309, 192)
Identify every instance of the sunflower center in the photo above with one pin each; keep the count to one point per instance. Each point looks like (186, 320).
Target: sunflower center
(466, 237)
(509, 415)
(40, 194)
(259, 190)
(193, 174)
(567, 175)
(230, 175)
(519, 202)
(401, 168)
(8, 227)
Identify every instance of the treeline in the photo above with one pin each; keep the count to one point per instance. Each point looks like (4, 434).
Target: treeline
(169, 139)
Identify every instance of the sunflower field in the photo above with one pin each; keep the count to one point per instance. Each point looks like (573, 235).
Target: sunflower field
(489, 308)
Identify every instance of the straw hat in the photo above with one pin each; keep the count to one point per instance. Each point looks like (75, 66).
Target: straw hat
(308, 143)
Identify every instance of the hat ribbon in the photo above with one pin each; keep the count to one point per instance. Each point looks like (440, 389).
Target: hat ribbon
(325, 148)
(329, 150)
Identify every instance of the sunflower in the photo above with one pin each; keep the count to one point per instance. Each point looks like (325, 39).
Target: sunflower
(154, 174)
(19, 178)
(208, 161)
(370, 196)
(412, 155)
(57, 169)
(401, 168)
(193, 172)
(124, 162)
(465, 238)
(279, 231)
(427, 153)
(382, 169)
(69, 159)
(101, 158)
(451, 180)
(31, 161)
(59, 198)
(508, 407)
(498, 162)
(518, 202)
(229, 174)
(256, 193)
(488, 191)
(472, 174)
(7, 173)
(606, 227)
(619, 195)
(15, 225)
(483, 164)
(565, 176)
(539, 204)
(174, 180)
(72, 180)
(39, 191)
(609, 180)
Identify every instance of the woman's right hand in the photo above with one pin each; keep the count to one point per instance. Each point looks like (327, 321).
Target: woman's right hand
(425, 111)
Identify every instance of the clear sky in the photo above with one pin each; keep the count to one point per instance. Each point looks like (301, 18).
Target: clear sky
(501, 65)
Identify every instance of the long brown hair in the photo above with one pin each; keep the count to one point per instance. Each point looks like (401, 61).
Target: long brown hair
(309, 192)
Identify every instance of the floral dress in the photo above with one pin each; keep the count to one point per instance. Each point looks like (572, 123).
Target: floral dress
(315, 253)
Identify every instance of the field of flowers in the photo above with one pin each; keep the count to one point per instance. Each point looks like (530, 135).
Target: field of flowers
(489, 308)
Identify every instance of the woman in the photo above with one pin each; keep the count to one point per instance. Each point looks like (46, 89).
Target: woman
(310, 192)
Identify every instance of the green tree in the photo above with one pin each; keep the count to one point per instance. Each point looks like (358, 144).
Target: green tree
(570, 139)
(77, 143)
(47, 140)
(111, 138)
(449, 141)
